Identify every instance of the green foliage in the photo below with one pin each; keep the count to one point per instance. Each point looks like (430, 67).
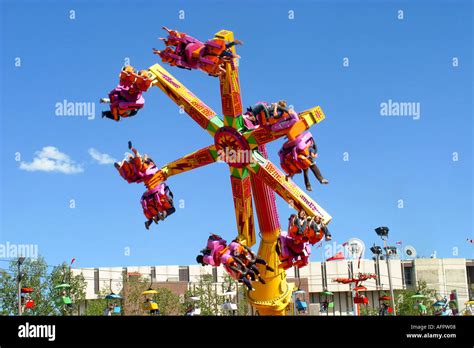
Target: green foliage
(187, 303)
(62, 274)
(8, 294)
(406, 305)
(368, 311)
(35, 276)
(209, 301)
(240, 299)
(168, 302)
(96, 307)
(132, 295)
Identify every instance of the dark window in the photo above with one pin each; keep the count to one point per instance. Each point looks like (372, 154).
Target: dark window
(184, 273)
(408, 273)
(214, 274)
(153, 274)
(96, 281)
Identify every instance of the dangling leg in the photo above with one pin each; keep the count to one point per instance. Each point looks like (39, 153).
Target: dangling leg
(170, 211)
(263, 262)
(255, 270)
(148, 223)
(317, 174)
(306, 180)
(251, 274)
(108, 114)
(247, 282)
(326, 233)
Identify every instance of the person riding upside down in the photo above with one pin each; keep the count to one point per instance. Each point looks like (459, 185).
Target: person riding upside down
(186, 52)
(126, 99)
(238, 260)
(275, 117)
(250, 260)
(135, 168)
(313, 153)
(299, 155)
(157, 202)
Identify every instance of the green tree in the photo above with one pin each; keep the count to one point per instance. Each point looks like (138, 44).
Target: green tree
(34, 275)
(96, 307)
(240, 298)
(62, 274)
(187, 302)
(8, 293)
(168, 302)
(132, 295)
(368, 310)
(406, 305)
(209, 301)
(243, 307)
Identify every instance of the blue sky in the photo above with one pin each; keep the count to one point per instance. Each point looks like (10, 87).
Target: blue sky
(299, 60)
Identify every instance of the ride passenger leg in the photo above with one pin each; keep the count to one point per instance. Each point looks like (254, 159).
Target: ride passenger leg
(327, 234)
(307, 183)
(263, 262)
(317, 174)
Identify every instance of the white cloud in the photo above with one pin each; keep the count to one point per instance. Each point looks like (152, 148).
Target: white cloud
(50, 159)
(102, 158)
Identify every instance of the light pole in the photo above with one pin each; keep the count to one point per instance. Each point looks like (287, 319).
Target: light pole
(18, 280)
(382, 232)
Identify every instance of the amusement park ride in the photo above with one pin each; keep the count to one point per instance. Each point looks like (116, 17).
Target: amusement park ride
(238, 132)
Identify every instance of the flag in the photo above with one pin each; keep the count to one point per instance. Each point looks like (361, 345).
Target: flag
(338, 256)
(399, 242)
(73, 259)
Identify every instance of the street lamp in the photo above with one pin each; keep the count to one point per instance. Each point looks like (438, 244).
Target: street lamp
(382, 232)
(18, 281)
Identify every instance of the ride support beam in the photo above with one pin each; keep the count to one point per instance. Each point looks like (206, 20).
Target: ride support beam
(194, 160)
(230, 86)
(242, 195)
(202, 114)
(286, 188)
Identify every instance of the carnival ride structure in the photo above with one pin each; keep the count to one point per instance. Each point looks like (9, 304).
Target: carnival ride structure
(252, 174)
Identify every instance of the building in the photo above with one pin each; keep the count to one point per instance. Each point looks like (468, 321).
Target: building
(443, 275)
